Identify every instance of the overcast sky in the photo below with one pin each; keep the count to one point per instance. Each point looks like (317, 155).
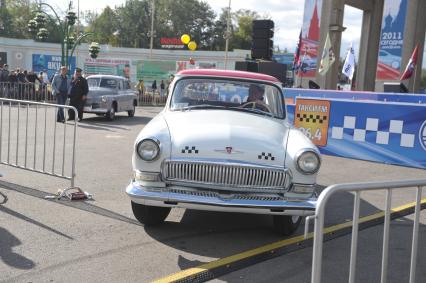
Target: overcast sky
(287, 15)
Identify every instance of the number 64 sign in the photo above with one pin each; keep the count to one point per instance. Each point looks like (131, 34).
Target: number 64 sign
(312, 118)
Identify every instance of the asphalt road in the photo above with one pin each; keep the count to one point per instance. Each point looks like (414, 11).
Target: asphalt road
(100, 241)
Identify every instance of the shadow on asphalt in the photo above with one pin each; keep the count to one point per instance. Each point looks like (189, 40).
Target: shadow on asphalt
(81, 205)
(32, 221)
(220, 234)
(8, 256)
(117, 123)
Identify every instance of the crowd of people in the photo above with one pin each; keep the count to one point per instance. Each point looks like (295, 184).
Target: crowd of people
(140, 86)
(19, 83)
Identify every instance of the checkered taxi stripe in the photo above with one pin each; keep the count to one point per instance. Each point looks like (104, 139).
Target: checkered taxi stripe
(311, 118)
(372, 125)
(266, 156)
(188, 149)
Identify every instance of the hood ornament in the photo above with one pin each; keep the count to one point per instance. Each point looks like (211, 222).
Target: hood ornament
(229, 150)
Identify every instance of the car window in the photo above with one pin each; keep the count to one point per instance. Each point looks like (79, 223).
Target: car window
(108, 83)
(93, 82)
(127, 84)
(228, 94)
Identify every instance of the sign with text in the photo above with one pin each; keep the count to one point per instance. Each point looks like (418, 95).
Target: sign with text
(107, 66)
(50, 64)
(310, 38)
(312, 117)
(149, 71)
(385, 132)
(391, 40)
(171, 43)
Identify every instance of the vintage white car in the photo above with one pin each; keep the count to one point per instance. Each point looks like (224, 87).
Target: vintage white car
(223, 143)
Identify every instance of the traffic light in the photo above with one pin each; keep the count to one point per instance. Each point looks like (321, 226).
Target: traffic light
(262, 44)
(94, 49)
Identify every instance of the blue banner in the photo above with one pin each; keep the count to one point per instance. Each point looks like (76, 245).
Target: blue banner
(291, 94)
(391, 39)
(50, 64)
(385, 132)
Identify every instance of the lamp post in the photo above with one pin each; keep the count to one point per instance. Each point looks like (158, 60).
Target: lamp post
(227, 34)
(65, 27)
(151, 44)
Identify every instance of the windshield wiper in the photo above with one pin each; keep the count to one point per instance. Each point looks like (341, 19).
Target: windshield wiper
(253, 110)
(203, 106)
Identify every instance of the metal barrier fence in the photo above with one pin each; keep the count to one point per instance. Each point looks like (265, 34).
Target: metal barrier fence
(358, 188)
(150, 99)
(33, 140)
(26, 91)
(43, 92)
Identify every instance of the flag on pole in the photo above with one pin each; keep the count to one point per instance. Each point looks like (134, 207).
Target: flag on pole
(327, 58)
(349, 66)
(411, 66)
(296, 60)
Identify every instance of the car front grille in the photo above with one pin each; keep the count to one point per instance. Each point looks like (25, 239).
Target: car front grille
(210, 194)
(225, 176)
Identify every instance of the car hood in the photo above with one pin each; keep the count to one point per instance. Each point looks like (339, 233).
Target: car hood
(227, 135)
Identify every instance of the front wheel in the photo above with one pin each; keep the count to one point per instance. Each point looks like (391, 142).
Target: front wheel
(286, 224)
(150, 215)
(131, 112)
(111, 113)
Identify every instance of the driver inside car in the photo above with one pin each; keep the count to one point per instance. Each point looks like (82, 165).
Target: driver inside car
(255, 98)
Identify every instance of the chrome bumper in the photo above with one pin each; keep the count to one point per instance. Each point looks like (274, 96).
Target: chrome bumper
(159, 197)
(96, 110)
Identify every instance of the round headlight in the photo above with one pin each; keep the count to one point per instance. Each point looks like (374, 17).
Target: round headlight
(103, 99)
(308, 162)
(148, 149)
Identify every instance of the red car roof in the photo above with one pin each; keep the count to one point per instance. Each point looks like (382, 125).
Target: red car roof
(229, 74)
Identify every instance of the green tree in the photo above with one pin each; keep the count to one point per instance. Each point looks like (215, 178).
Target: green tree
(218, 39)
(103, 26)
(242, 37)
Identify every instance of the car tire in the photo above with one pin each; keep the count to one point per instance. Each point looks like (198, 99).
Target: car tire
(132, 112)
(150, 215)
(111, 113)
(286, 224)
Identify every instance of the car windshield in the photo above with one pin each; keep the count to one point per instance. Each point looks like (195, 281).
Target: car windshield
(234, 95)
(102, 82)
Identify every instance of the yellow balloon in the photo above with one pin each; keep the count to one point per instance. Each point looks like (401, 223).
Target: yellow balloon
(185, 38)
(192, 45)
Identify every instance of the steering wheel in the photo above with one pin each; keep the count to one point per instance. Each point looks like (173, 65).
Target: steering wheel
(256, 105)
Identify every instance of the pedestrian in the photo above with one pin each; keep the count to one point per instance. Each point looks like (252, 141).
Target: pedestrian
(162, 88)
(78, 95)
(12, 85)
(141, 87)
(61, 85)
(4, 76)
(32, 78)
(2, 82)
(154, 87)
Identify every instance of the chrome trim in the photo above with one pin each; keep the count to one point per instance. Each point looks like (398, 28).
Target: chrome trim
(156, 141)
(144, 195)
(225, 175)
(297, 156)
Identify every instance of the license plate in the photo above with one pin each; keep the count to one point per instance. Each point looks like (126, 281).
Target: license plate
(87, 108)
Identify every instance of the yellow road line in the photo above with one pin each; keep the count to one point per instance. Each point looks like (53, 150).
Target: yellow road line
(192, 272)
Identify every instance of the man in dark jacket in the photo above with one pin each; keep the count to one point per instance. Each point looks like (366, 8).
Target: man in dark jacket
(78, 94)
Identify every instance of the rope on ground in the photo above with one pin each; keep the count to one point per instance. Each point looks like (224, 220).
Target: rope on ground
(4, 198)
